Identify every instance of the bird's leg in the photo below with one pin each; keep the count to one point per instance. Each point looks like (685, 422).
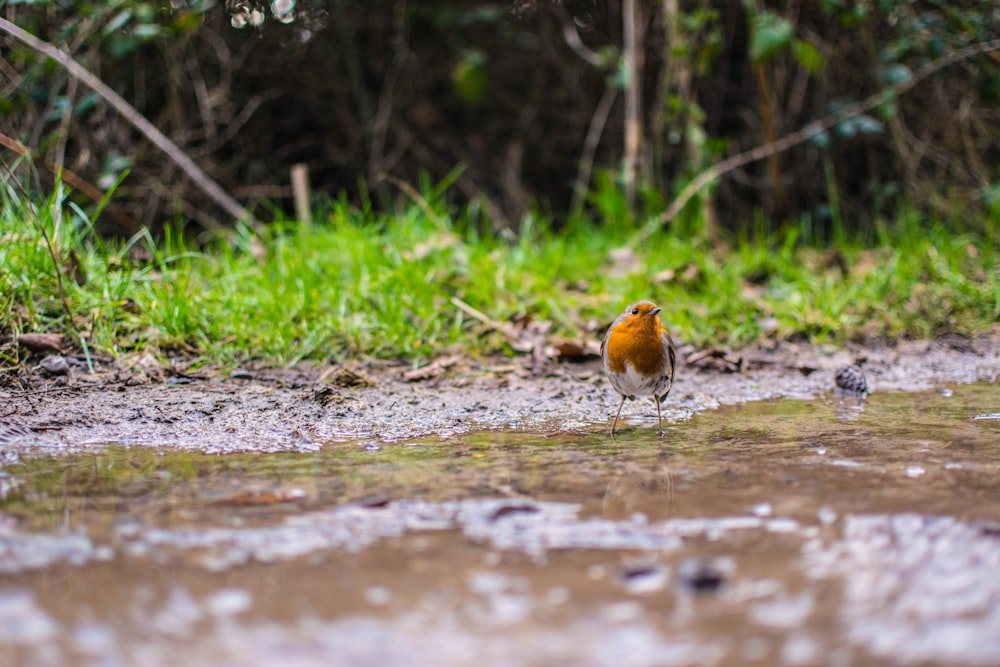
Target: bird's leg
(659, 416)
(614, 426)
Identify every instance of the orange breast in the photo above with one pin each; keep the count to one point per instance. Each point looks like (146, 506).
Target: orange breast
(640, 345)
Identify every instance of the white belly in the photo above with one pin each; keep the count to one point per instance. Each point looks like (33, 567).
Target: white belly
(633, 383)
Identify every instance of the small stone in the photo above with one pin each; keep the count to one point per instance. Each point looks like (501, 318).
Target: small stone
(644, 577)
(852, 380)
(704, 575)
(55, 364)
(509, 510)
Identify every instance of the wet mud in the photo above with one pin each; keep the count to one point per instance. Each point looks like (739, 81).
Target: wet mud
(138, 401)
(256, 520)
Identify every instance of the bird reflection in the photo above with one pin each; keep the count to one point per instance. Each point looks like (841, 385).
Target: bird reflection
(636, 491)
(637, 495)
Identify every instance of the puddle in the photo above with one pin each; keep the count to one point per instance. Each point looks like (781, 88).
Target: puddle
(833, 531)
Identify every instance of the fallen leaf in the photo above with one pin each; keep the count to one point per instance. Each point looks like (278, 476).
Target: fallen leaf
(341, 376)
(441, 241)
(714, 358)
(573, 349)
(43, 342)
(145, 365)
(691, 273)
(258, 250)
(664, 276)
(435, 369)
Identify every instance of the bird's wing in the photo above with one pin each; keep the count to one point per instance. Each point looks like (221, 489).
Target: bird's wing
(669, 344)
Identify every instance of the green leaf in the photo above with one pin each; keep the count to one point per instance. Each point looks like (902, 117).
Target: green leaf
(470, 77)
(619, 76)
(868, 125)
(821, 140)
(895, 74)
(120, 19)
(861, 124)
(808, 56)
(770, 35)
(86, 103)
(120, 46)
(146, 31)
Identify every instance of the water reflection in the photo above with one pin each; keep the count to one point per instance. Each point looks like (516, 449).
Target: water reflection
(849, 408)
(781, 533)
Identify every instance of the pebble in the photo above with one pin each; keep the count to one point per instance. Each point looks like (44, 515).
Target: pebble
(55, 364)
(642, 578)
(705, 575)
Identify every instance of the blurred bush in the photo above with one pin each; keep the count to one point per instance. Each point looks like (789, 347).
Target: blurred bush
(524, 95)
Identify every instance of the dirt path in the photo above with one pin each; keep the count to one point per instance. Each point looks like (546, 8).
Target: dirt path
(140, 402)
(833, 531)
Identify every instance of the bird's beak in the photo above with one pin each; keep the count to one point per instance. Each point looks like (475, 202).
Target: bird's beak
(655, 311)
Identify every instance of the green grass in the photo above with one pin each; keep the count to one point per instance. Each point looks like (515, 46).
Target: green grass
(361, 283)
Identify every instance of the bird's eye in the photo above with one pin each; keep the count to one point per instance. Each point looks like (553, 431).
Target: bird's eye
(635, 311)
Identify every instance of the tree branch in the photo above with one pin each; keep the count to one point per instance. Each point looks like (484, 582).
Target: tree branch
(160, 140)
(804, 134)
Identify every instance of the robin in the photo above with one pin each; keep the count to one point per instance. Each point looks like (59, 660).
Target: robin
(639, 356)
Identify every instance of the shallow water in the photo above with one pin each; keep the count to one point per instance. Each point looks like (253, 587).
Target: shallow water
(834, 531)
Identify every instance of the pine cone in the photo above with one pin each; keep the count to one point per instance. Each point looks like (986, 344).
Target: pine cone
(852, 380)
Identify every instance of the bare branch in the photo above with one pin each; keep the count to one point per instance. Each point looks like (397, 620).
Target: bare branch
(160, 140)
(804, 134)
(586, 165)
(631, 28)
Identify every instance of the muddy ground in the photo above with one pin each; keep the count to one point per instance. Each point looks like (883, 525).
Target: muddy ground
(477, 512)
(141, 401)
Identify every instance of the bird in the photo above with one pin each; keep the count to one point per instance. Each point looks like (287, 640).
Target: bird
(639, 357)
